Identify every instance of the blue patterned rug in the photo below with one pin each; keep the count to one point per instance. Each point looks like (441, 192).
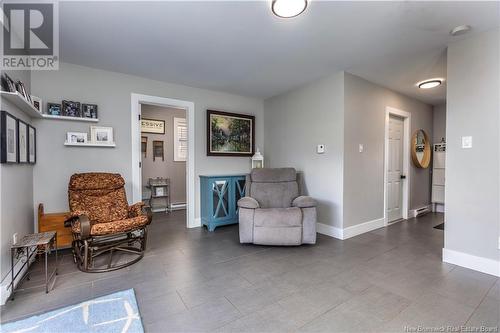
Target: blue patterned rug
(117, 312)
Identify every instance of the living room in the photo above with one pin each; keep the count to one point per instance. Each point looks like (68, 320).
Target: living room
(323, 92)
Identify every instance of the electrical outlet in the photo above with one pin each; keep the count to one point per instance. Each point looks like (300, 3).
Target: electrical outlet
(466, 142)
(14, 238)
(361, 148)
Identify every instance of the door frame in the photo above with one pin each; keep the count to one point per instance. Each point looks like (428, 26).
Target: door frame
(406, 158)
(136, 101)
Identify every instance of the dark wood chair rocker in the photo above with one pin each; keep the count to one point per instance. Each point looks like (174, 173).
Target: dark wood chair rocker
(102, 222)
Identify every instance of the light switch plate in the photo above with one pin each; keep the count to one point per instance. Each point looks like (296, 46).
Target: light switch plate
(361, 147)
(320, 149)
(466, 142)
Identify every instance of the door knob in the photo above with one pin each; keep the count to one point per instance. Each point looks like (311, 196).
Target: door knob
(402, 176)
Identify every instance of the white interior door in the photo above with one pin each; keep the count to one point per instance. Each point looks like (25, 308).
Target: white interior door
(395, 169)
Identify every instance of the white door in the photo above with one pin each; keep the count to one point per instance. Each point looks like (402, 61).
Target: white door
(395, 169)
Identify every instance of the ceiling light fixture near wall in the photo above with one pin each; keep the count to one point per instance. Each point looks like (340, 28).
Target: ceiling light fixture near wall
(429, 84)
(288, 8)
(460, 30)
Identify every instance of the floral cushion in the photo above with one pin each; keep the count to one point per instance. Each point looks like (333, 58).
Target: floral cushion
(102, 195)
(126, 225)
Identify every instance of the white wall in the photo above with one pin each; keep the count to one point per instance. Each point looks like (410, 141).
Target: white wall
(365, 107)
(297, 121)
(112, 93)
(342, 111)
(472, 175)
(16, 190)
(439, 123)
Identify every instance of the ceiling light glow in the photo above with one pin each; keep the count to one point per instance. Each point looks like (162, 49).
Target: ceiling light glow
(429, 84)
(288, 8)
(460, 30)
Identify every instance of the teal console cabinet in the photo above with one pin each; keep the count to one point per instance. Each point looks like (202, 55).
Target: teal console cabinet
(219, 195)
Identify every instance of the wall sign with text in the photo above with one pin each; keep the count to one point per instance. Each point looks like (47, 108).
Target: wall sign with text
(152, 126)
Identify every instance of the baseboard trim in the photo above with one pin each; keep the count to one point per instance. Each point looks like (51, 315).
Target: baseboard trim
(349, 232)
(481, 264)
(329, 230)
(439, 208)
(414, 212)
(196, 223)
(178, 206)
(361, 228)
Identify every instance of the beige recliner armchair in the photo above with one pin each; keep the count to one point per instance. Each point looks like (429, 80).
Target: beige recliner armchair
(273, 213)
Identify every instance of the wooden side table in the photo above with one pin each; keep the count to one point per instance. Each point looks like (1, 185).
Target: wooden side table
(43, 242)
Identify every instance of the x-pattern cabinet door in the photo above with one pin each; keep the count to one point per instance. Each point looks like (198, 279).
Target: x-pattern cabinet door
(220, 199)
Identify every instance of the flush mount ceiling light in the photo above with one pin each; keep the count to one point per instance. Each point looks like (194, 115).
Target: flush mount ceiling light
(460, 30)
(428, 84)
(288, 8)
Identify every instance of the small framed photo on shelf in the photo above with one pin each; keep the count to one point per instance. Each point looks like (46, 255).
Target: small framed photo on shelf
(100, 134)
(22, 90)
(54, 109)
(22, 141)
(8, 84)
(160, 191)
(71, 109)
(37, 103)
(89, 111)
(31, 144)
(76, 137)
(8, 139)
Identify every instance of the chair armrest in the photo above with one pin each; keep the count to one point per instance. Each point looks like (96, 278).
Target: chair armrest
(303, 202)
(79, 220)
(73, 216)
(139, 209)
(85, 226)
(135, 209)
(248, 202)
(148, 212)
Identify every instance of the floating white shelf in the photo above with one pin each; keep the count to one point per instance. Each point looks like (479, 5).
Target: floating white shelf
(90, 144)
(89, 120)
(18, 100)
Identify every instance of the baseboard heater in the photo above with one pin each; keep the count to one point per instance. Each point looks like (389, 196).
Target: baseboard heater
(178, 206)
(421, 211)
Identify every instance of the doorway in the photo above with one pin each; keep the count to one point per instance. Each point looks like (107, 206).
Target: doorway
(396, 177)
(137, 102)
(164, 154)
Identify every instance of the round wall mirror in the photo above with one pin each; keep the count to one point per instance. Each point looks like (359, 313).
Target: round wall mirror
(420, 149)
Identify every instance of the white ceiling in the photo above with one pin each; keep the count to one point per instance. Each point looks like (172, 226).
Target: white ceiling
(241, 48)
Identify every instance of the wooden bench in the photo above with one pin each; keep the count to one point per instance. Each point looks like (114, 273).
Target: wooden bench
(55, 222)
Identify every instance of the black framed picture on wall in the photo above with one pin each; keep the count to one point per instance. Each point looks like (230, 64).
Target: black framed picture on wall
(230, 134)
(22, 141)
(71, 109)
(8, 138)
(31, 144)
(89, 111)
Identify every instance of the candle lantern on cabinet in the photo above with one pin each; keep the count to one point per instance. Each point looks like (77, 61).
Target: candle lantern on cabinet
(257, 160)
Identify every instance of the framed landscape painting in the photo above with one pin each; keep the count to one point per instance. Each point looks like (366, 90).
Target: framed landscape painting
(230, 134)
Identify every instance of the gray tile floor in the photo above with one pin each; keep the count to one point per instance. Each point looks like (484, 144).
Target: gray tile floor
(192, 280)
